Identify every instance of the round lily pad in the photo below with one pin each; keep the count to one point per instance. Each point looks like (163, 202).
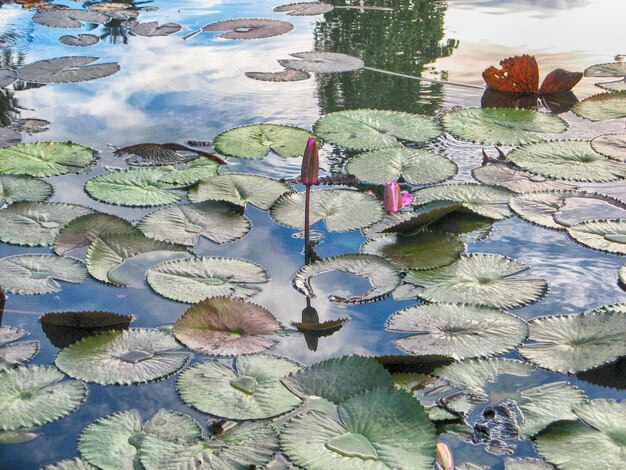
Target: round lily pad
(382, 275)
(518, 181)
(375, 129)
(35, 395)
(69, 18)
(249, 28)
(602, 107)
(613, 69)
(66, 69)
(256, 140)
(322, 62)
(222, 326)
(82, 40)
(341, 210)
(604, 235)
(415, 166)
(250, 390)
(65, 328)
(23, 188)
(575, 343)
(194, 279)
(152, 28)
(457, 331)
(123, 357)
(501, 126)
(38, 274)
(306, 9)
(46, 159)
(383, 428)
(611, 145)
(479, 279)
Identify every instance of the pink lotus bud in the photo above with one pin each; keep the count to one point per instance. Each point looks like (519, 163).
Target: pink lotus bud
(310, 163)
(391, 197)
(406, 198)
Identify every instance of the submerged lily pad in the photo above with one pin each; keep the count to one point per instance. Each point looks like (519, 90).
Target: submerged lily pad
(23, 188)
(604, 235)
(518, 181)
(322, 62)
(84, 230)
(416, 166)
(458, 331)
(222, 326)
(38, 274)
(66, 69)
(251, 390)
(65, 328)
(194, 279)
(610, 145)
(82, 40)
(382, 275)
(479, 279)
(152, 29)
(375, 129)
(501, 126)
(249, 28)
(575, 343)
(35, 395)
(46, 159)
(256, 140)
(123, 357)
(382, 428)
(148, 154)
(341, 210)
(69, 18)
(602, 107)
(306, 9)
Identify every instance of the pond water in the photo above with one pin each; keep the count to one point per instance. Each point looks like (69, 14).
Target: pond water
(171, 89)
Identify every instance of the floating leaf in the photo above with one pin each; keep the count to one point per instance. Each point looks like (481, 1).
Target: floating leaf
(252, 390)
(8, 334)
(167, 154)
(375, 129)
(223, 327)
(416, 166)
(518, 181)
(306, 9)
(23, 188)
(615, 69)
(30, 125)
(526, 464)
(46, 159)
(488, 201)
(109, 6)
(575, 343)
(198, 170)
(621, 275)
(7, 77)
(35, 395)
(602, 107)
(382, 275)
(123, 357)
(194, 279)
(152, 29)
(38, 274)
(501, 126)
(604, 235)
(84, 230)
(14, 354)
(287, 75)
(256, 140)
(322, 62)
(74, 464)
(381, 428)
(69, 18)
(573, 160)
(249, 28)
(82, 40)
(66, 69)
(611, 145)
(65, 328)
(479, 279)
(124, 15)
(341, 210)
(619, 85)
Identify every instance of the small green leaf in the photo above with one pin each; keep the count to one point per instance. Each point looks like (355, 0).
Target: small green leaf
(46, 159)
(256, 140)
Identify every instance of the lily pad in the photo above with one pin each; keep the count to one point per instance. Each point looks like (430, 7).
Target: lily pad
(611, 145)
(526, 464)
(479, 279)
(69, 18)
(341, 210)
(222, 326)
(249, 28)
(23, 188)
(66, 69)
(194, 279)
(151, 154)
(621, 275)
(458, 331)
(38, 274)
(256, 140)
(46, 159)
(7, 77)
(322, 62)
(123, 357)
(306, 9)
(618, 85)
(518, 181)
(614, 69)
(382, 275)
(415, 166)
(488, 201)
(240, 189)
(35, 395)
(82, 40)
(602, 107)
(604, 235)
(198, 170)
(575, 343)
(13, 354)
(287, 75)
(152, 29)
(381, 428)
(74, 464)
(65, 328)
(9, 334)
(250, 390)
(501, 126)
(375, 129)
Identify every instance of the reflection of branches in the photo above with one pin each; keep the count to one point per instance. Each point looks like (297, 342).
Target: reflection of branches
(9, 107)
(115, 32)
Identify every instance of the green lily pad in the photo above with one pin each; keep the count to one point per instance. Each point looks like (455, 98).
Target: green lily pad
(38, 274)
(488, 201)
(184, 224)
(479, 279)
(46, 159)
(222, 326)
(256, 140)
(67, 69)
(240, 189)
(458, 331)
(13, 354)
(596, 443)
(382, 275)
(518, 181)
(602, 107)
(575, 343)
(501, 126)
(65, 328)
(611, 145)
(123, 357)
(375, 129)
(604, 235)
(194, 279)
(382, 428)
(572, 160)
(35, 395)
(23, 188)
(613, 69)
(416, 166)
(200, 169)
(221, 391)
(74, 464)
(322, 62)
(341, 209)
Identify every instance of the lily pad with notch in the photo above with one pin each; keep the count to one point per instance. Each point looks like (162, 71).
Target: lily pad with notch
(66, 69)
(610, 145)
(65, 328)
(46, 159)
(256, 140)
(249, 28)
(516, 180)
(38, 273)
(603, 235)
(69, 18)
(602, 107)
(82, 40)
(322, 62)
(17, 188)
(306, 9)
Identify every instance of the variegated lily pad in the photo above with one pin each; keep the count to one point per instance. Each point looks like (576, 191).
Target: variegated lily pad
(322, 62)
(604, 235)
(46, 159)
(65, 328)
(306, 9)
(38, 274)
(67, 69)
(69, 18)
(123, 357)
(84, 230)
(610, 145)
(602, 107)
(249, 28)
(23, 188)
(518, 181)
(256, 140)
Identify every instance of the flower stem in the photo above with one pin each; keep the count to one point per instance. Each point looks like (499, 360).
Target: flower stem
(307, 228)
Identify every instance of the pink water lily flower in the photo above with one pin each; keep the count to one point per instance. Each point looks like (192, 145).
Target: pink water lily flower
(406, 198)
(391, 197)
